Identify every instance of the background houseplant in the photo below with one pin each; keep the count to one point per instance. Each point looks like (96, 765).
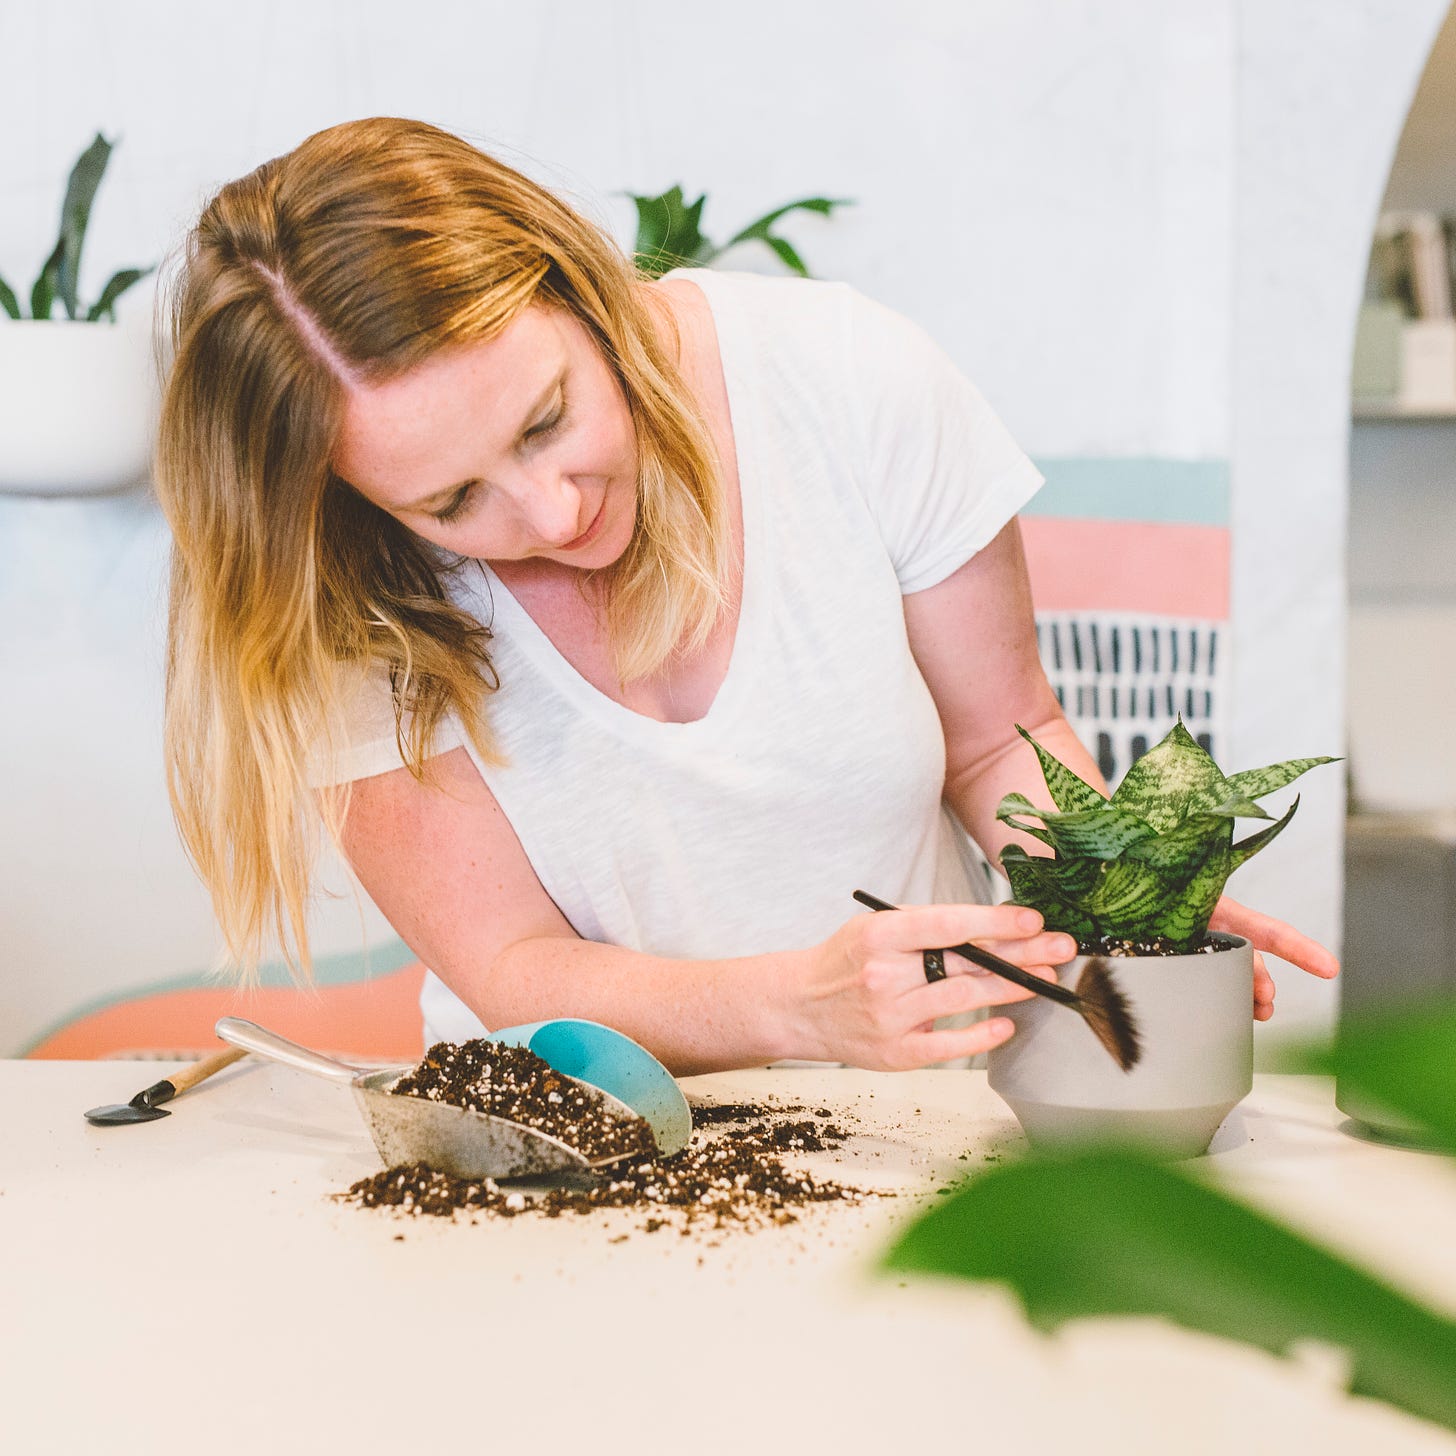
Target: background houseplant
(669, 232)
(81, 391)
(1137, 876)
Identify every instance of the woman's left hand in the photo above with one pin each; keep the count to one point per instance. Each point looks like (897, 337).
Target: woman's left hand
(1274, 936)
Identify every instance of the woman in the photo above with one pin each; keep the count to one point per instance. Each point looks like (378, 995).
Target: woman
(625, 626)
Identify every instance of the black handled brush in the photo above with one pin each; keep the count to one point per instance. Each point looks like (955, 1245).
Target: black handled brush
(1097, 1000)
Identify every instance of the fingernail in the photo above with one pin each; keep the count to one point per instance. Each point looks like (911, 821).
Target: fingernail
(1029, 920)
(1001, 1026)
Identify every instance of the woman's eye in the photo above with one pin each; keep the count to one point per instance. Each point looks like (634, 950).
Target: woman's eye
(547, 427)
(455, 506)
(458, 502)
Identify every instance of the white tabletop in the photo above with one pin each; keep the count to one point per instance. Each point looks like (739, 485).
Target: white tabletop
(188, 1284)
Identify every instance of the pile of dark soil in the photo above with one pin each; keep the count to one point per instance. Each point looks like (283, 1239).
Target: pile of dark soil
(516, 1084)
(731, 1175)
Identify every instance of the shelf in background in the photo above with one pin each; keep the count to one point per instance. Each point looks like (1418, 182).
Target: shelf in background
(1385, 409)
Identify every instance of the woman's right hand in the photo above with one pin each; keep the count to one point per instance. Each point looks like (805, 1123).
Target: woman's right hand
(864, 998)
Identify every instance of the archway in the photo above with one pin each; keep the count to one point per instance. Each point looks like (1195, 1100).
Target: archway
(1400, 900)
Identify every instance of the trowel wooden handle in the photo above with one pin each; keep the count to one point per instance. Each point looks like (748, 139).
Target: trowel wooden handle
(196, 1072)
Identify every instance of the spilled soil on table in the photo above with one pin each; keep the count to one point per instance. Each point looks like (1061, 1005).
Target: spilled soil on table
(738, 1171)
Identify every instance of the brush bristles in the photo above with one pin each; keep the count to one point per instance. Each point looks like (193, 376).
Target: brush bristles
(1104, 1008)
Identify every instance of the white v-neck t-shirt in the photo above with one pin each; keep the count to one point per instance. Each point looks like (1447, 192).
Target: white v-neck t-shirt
(869, 468)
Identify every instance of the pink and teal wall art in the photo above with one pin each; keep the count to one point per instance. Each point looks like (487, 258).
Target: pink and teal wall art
(1129, 562)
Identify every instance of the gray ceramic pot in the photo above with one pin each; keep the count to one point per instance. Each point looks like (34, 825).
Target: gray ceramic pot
(1195, 1014)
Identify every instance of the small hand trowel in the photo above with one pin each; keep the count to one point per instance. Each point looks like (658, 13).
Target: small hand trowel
(143, 1107)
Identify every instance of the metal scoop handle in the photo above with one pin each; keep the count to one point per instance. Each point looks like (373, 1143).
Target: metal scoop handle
(254, 1038)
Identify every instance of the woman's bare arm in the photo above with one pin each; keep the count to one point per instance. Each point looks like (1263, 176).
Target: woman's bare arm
(442, 862)
(974, 638)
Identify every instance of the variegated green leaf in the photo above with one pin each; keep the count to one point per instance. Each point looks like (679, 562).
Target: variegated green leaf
(1185, 879)
(1069, 793)
(1245, 849)
(1054, 887)
(1140, 903)
(1171, 780)
(1185, 919)
(1101, 833)
(1088, 898)
(1240, 808)
(1187, 845)
(1152, 861)
(1013, 807)
(1070, 876)
(1017, 804)
(1254, 783)
(1127, 893)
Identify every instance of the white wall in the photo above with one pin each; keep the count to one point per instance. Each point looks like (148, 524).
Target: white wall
(1140, 225)
(1049, 185)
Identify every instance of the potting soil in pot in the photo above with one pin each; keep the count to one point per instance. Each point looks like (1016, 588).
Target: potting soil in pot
(731, 1174)
(1159, 945)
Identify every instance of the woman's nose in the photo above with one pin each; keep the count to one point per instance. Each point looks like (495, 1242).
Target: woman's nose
(552, 507)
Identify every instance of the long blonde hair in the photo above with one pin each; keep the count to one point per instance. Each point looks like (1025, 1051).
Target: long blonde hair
(350, 259)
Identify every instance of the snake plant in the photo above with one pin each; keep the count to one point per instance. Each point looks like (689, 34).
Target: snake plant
(1149, 864)
(60, 274)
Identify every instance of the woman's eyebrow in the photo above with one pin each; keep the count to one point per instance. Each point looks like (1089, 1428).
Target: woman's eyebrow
(425, 501)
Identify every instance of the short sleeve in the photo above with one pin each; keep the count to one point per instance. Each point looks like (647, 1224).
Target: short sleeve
(366, 741)
(941, 474)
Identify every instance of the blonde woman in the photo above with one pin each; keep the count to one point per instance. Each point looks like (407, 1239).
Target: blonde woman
(616, 628)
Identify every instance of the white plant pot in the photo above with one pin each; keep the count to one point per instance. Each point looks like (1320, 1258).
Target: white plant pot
(78, 406)
(1195, 1017)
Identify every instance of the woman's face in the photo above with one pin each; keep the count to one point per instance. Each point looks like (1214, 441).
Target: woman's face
(518, 448)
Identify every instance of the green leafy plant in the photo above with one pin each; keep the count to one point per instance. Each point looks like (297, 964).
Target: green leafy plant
(1150, 863)
(1149, 1240)
(669, 234)
(60, 274)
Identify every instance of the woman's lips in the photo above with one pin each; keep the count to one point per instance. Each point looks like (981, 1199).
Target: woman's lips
(590, 534)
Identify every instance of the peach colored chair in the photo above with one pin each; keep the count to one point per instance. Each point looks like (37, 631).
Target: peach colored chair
(375, 1019)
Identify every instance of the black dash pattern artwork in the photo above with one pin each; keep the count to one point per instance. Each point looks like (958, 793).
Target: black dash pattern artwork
(1123, 680)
